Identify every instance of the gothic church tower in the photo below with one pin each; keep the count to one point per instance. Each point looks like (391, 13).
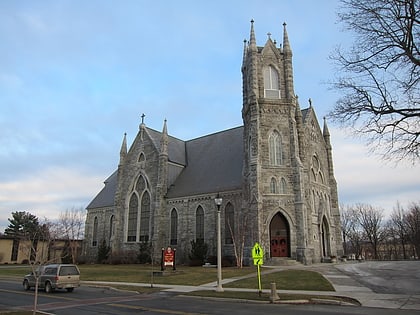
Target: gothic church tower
(276, 164)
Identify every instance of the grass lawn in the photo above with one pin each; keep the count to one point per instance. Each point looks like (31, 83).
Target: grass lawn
(285, 280)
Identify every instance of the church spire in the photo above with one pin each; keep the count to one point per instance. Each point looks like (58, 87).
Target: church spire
(288, 65)
(252, 40)
(286, 45)
(326, 133)
(164, 140)
(123, 151)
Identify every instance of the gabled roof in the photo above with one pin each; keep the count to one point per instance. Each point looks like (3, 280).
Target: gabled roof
(214, 163)
(105, 198)
(176, 147)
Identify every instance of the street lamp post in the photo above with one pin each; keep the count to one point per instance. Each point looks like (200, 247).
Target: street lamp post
(218, 201)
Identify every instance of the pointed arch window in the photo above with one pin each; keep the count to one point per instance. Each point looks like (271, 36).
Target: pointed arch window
(275, 149)
(271, 83)
(141, 184)
(283, 186)
(199, 224)
(229, 223)
(174, 227)
(111, 227)
(273, 186)
(95, 232)
(133, 209)
(145, 217)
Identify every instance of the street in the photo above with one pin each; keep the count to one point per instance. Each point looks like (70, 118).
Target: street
(396, 277)
(90, 300)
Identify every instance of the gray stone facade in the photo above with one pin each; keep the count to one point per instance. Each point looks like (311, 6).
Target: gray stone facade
(274, 173)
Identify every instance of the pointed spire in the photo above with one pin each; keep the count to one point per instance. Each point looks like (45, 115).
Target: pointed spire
(326, 132)
(123, 151)
(252, 40)
(164, 139)
(244, 56)
(286, 45)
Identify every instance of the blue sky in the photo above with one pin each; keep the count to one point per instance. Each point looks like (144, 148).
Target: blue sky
(76, 75)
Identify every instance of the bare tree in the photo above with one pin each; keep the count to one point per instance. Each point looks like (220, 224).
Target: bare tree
(71, 227)
(398, 227)
(238, 238)
(412, 220)
(379, 75)
(347, 225)
(370, 219)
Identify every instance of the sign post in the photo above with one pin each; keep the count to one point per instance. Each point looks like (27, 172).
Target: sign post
(258, 257)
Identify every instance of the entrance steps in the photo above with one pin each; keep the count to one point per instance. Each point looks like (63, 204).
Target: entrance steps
(281, 261)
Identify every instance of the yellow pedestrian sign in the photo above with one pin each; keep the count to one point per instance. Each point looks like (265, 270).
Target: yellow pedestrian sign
(258, 256)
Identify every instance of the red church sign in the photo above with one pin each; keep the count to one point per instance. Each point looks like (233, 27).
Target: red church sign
(168, 257)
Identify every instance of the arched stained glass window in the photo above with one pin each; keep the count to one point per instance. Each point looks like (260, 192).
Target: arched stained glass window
(111, 226)
(145, 217)
(174, 227)
(133, 209)
(95, 232)
(199, 224)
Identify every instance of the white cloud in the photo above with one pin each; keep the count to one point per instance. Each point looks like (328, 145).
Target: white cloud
(48, 193)
(366, 178)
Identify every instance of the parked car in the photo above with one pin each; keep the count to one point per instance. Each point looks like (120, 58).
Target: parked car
(51, 277)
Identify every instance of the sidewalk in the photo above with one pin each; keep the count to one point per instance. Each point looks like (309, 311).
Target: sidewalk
(344, 286)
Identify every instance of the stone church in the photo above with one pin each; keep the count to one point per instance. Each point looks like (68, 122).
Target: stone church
(274, 174)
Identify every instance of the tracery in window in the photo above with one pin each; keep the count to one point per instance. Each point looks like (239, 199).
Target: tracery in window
(145, 217)
(141, 184)
(271, 83)
(275, 149)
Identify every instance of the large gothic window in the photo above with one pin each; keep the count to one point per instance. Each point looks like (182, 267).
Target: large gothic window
(174, 227)
(95, 232)
(229, 223)
(145, 217)
(275, 149)
(271, 83)
(199, 224)
(133, 209)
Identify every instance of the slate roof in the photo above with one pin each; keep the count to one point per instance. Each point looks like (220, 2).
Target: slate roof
(212, 163)
(105, 198)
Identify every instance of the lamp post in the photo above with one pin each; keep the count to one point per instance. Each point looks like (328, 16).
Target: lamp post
(218, 201)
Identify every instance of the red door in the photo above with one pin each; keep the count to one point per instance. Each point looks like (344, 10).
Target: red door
(279, 247)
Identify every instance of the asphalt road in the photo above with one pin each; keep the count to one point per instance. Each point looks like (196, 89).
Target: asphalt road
(90, 300)
(392, 277)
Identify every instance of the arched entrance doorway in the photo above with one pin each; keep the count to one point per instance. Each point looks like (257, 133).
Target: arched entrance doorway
(279, 236)
(325, 238)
